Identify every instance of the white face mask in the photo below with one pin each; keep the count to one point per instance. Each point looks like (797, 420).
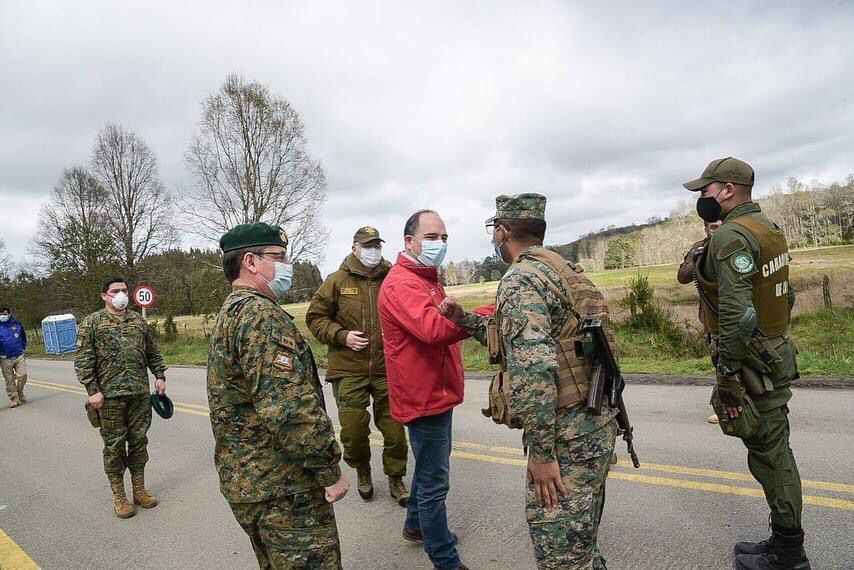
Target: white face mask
(120, 300)
(371, 257)
(4, 318)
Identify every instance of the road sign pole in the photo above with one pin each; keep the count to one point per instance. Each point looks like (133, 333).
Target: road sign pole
(143, 313)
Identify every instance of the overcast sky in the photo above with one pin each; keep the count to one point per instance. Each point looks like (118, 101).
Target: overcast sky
(603, 107)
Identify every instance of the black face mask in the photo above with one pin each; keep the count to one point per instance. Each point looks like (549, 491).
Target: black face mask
(708, 208)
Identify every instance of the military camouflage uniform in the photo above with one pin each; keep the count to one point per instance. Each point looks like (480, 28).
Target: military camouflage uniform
(530, 318)
(275, 445)
(113, 352)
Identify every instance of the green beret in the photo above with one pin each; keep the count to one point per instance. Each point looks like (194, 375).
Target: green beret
(727, 169)
(253, 235)
(367, 234)
(528, 206)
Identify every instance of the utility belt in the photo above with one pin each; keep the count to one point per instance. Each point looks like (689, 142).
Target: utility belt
(762, 364)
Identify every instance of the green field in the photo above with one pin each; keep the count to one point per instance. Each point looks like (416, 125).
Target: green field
(825, 338)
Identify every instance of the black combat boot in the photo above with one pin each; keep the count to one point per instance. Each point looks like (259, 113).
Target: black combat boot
(785, 552)
(760, 547)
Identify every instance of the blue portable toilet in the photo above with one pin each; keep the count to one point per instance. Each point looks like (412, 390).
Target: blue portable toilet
(60, 334)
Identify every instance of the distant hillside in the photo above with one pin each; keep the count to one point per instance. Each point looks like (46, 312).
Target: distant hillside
(585, 246)
(813, 215)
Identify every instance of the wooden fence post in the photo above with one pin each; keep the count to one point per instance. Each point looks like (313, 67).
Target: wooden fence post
(825, 291)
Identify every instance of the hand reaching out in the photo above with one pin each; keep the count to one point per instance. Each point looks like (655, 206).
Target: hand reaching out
(450, 309)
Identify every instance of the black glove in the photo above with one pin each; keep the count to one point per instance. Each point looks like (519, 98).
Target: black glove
(730, 391)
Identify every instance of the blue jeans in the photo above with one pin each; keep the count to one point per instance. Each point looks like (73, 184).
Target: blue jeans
(430, 439)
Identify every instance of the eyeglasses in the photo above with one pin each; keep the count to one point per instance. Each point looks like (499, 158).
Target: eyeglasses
(275, 256)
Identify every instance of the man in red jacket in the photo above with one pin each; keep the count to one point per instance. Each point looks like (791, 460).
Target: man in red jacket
(425, 378)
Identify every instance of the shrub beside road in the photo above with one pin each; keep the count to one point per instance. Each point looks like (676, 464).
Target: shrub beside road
(668, 342)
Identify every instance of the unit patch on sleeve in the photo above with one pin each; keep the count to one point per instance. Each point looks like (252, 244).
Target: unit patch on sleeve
(742, 263)
(288, 342)
(284, 361)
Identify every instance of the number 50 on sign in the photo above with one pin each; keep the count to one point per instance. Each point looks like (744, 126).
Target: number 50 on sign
(144, 296)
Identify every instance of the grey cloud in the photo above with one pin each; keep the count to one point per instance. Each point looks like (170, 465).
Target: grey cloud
(606, 108)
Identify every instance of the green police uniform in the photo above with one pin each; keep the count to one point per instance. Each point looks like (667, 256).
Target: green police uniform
(347, 301)
(547, 387)
(275, 446)
(744, 278)
(113, 352)
(746, 270)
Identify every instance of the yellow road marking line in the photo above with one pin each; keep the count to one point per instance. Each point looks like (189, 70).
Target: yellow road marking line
(829, 502)
(735, 476)
(60, 387)
(12, 557)
(193, 409)
(680, 469)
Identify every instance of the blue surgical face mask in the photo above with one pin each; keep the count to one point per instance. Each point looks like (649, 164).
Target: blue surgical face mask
(283, 278)
(432, 252)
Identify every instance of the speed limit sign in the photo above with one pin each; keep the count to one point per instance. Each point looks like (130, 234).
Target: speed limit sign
(144, 296)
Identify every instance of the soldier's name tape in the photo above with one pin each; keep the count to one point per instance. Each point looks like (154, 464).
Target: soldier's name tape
(513, 456)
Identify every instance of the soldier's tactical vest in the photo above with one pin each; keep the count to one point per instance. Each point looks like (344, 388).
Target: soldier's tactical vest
(770, 282)
(581, 297)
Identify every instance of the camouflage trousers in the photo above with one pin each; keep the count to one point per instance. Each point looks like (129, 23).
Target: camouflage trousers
(293, 532)
(353, 396)
(565, 537)
(15, 375)
(124, 428)
(772, 464)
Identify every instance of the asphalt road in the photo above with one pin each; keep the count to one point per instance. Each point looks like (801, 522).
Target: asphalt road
(687, 505)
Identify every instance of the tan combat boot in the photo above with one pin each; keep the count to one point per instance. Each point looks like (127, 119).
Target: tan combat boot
(141, 496)
(14, 402)
(124, 510)
(366, 485)
(398, 490)
(21, 397)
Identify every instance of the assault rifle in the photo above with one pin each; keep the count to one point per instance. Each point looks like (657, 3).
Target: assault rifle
(606, 380)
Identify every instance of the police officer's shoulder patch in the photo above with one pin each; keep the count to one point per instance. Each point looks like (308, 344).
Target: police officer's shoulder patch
(741, 262)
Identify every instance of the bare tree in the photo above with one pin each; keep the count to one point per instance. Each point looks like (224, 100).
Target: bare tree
(75, 241)
(139, 208)
(250, 160)
(6, 264)
(74, 233)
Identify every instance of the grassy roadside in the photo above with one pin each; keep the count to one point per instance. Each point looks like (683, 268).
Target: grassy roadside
(825, 340)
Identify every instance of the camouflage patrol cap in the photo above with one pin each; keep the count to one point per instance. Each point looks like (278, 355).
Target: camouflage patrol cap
(367, 234)
(253, 235)
(528, 206)
(727, 169)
